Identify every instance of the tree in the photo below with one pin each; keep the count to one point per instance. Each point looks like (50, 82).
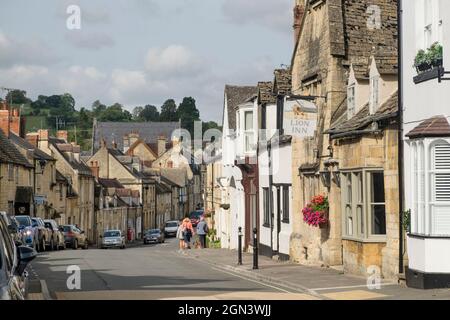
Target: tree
(210, 125)
(40, 103)
(98, 108)
(115, 113)
(188, 114)
(169, 111)
(149, 113)
(136, 113)
(17, 97)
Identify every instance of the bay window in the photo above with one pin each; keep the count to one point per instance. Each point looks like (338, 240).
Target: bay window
(363, 201)
(430, 178)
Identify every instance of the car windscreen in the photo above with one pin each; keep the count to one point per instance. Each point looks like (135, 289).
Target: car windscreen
(111, 234)
(171, 224)
(66, 228)
(24, 221)
(153, 231)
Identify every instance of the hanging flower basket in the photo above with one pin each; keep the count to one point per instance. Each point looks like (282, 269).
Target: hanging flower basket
(315, 213)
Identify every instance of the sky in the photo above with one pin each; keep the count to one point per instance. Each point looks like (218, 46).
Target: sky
(139, 52)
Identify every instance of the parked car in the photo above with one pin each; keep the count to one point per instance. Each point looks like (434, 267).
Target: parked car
(113, 239)
(13, 227)
(43, 234)
(171, 228)
(74, 237)
(29, 234)
(13, 262)
(195, 217)
(154, 236)
(57, 237)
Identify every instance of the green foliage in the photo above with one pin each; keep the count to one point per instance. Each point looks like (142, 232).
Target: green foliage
(169, 111)
(188, 113)
(115, 113)
(427, 59)
(406, 217)
(17, 97)
(149, 113)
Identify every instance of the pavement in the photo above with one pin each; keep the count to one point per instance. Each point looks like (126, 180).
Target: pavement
(162, 272)
(317, 282)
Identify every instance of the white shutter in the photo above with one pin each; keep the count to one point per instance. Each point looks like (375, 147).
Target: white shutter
(442, 177)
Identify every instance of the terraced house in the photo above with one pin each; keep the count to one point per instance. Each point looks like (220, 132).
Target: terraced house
(345, 59)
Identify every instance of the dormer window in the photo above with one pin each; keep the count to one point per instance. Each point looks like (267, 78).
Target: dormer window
(351, 102)
(374, 93)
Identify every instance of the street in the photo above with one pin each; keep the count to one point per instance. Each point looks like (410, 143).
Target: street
(145, 272)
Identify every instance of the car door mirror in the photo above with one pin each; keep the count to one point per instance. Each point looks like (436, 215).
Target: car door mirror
(81, 232)
(26, 255)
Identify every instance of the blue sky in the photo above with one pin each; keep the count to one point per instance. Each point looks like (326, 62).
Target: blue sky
(139, 52)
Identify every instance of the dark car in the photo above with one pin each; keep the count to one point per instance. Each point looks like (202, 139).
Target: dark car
(13, 262)
(154, 236)
(74, 237)
(30, 236)
(56, 236)
(195, 217)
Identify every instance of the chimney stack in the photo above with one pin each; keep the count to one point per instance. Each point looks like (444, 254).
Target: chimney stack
(62, 135)
(161, 145)
(95, 169)
(33, 138)
(4, 118)
(299, 12)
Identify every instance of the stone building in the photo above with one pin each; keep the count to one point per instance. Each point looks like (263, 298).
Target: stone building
(16, 184)
(111, 163)
(337, 40)
(80, 188)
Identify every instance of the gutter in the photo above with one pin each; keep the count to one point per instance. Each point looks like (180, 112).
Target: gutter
(354, 133)
(401, 186)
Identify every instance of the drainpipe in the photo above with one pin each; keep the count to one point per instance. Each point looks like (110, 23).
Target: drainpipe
(400, 137)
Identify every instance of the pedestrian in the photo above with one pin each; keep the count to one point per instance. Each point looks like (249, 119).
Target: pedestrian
(188, 232)
(180, 235)
(202, 231)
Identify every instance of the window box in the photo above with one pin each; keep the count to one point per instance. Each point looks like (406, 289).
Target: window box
(426, 76)
(428, 63)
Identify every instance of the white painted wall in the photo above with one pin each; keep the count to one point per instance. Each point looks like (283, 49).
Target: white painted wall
(423, 101)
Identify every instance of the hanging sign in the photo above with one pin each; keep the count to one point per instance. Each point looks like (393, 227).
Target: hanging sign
(300, 118)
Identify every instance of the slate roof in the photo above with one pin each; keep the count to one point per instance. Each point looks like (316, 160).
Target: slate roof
(60, 146)
(148, 131)
(10, 154)
(363, 42)
(236, 95)
(437, 126)
(110, 183)
(283, 81)
(265, 93)
(36, 153)
(363, 119)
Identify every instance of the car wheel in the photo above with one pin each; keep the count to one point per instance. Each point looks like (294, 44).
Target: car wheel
(75, 244)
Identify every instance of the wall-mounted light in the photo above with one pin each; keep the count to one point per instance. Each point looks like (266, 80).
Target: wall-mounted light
(325, 176)
(42, 164)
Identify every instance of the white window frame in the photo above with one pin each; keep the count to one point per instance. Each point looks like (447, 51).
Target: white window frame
(374, 103)
(357, 207)
(424, 204)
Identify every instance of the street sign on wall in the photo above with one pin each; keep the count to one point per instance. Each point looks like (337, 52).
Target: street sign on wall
(300, 118)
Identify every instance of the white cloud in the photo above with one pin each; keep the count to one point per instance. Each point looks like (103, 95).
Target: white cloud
(174, 60)
(92, 41)
(274, 14)
(14, 52)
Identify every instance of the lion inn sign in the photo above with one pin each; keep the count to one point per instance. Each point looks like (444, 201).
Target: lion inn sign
(300, 118)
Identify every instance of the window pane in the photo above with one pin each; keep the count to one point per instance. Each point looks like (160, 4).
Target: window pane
(248, 120)
(377, 187)
(378, 219)
(349, 188)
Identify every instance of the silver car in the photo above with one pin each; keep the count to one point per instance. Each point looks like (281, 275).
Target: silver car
(113, 239)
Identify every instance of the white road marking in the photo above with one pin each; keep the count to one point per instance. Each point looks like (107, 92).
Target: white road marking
(260, 283)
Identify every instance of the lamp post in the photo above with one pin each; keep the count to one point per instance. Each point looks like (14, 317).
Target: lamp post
(240, 246)
(255, 249)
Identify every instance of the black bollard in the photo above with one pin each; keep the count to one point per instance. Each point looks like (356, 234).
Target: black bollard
(240, 246)
(255, 249)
